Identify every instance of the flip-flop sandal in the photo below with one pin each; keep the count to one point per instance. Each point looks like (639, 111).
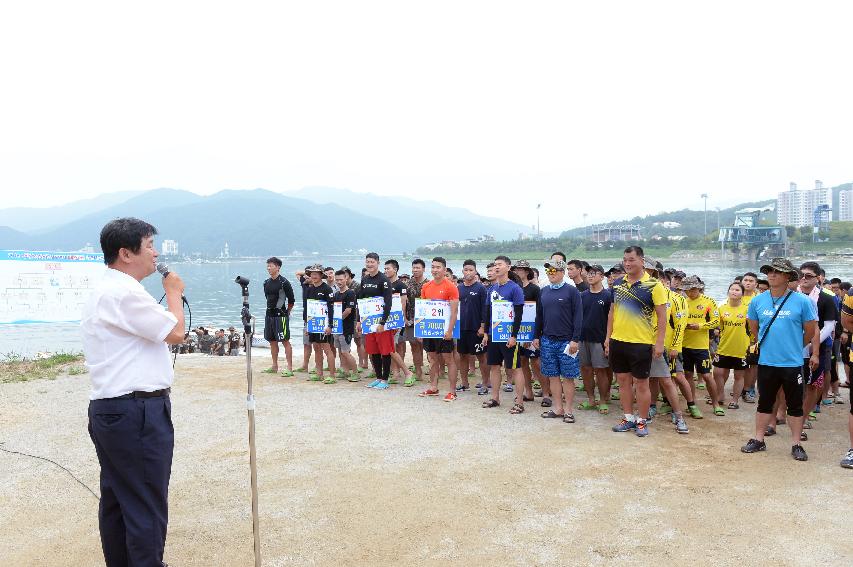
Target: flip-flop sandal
(719, 411)
(551, 415)
(546, 402)
(286, 374)
(807, 425)
(733, 405)
(270, 371)
(516, 409)
(701, 386)
(568, 418)
(526, 399)
(587, 406)
(614, 396)
(491, 404)
(603, 409)
(410, 381)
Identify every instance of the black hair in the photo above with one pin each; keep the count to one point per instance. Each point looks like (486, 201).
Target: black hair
(535, 272)
(813, 266)
(846, 286)
(121, 233)
(274, 260)
(560, 254)
(373, 255)
(638, 250)
(836, 281)
(441, 261)
(763, 282)
(737, 279)
(514, 277)
(753, 274)
(419, 262)
(740, 285)
(394, 263)
(341, 273)
(490, 265)
(504, 259)
(576, 263)
(821, 272)
(469, 263)
(327, 268)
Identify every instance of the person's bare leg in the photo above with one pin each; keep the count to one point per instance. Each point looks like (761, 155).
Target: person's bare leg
(545, 384)
(692, 383)
(711, 385)
(720, 383)
(684, 386)
(418, 359)
(274, 355)
(484, 370)
(495, 380)
(558, 399)
(306, 352)
(644, 396)
(318, 358)
(568, 387)
(737, 385)
(330, 357)
(433, 358)
(588, 375)
(626, 394)
(348, 362)
(288, 354)
(517, 376)
(671, 393)
(810, 398)
(762, 420)
(603, 378)
(452, 369)
(654, 390)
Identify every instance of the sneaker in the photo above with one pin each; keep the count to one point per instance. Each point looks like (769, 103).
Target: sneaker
(507, 387)
(753, 446)
(847, 461)
(694, 412)
(799, 453)
(804, 436)
(624, 426)
(428, 392)
(642, 429)
(450, 397)
(382, 385)
(653, 411)
(769, 431)
(374, 384)
(462, 388)
(750, 397)
(681, 426)
(410, 381)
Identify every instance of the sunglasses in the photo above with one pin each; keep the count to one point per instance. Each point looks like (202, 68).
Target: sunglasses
(550, 271)
(807, 276)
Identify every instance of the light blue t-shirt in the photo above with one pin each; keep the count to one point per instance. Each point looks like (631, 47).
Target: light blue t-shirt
(784, 344)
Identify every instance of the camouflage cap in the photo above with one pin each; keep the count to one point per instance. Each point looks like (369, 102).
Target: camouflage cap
(691, 282)
(557, 265)
(781, 265)
(618, 268)
(314, 268)
(521, 264)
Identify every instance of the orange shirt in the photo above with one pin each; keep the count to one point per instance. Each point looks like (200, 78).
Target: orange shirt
(444, 290)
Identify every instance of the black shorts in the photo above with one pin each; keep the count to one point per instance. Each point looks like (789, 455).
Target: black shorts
(469, 343)
(633, 358)
(499, 354)
(696, 359)
(729, 362)
(276, 328)
(314, 338)
(530, 353)
(439, 346)
(789, 379)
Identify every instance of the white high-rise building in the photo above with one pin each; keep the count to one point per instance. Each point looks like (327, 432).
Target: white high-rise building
(796, 207)
(169, 248)
(845, 205)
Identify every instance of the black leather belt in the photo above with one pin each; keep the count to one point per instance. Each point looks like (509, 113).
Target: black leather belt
(155, 394)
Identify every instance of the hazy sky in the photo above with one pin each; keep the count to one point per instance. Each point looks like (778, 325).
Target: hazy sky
(609, 108)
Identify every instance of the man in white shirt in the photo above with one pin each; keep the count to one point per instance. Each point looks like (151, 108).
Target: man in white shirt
(125, 333)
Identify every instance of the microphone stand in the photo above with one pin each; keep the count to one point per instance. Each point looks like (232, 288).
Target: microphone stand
(248, 328)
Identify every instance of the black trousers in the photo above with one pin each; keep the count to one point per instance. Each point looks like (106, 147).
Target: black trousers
(134, 440)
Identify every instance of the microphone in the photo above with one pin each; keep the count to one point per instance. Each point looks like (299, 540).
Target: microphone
(163, 268)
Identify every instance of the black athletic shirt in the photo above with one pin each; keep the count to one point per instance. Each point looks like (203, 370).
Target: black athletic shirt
(582, 287)
(531, 292)
(377, 286)
(279, 293)
(321, 292)
(347, 300)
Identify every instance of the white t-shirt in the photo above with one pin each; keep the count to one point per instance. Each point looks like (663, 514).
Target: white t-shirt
(123, 332)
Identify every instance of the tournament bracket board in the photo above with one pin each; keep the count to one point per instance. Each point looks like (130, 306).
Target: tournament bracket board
(370, 310)
(432, 317)
(317, 316)
(503, 313)
(46, 287)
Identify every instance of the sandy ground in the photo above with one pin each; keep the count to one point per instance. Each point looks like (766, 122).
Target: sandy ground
(354, 476)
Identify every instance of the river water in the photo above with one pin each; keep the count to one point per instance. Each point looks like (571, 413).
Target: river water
(215, 299)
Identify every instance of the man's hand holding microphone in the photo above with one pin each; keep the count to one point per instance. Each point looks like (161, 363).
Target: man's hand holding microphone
(173, 285)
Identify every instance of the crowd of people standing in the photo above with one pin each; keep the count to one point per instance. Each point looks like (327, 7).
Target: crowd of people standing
(638, 334)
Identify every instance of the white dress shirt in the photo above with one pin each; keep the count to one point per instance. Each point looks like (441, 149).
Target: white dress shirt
(123, 338)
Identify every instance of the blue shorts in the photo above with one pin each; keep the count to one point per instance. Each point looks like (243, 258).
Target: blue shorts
(555, 362)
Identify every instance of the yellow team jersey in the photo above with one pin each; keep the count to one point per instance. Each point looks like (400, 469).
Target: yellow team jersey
(734, 333)
(747, 298)
(701, 311)
(634, 317)
(676, 314)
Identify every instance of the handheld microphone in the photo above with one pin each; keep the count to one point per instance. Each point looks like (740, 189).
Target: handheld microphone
(163, 268)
